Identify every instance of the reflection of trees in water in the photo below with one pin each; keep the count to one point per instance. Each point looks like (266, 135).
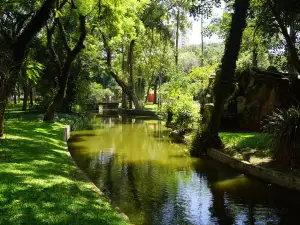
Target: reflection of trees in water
(154, 193)
(250, 202)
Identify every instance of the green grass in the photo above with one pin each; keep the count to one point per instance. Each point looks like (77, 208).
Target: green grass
(152, 107)
(252, 147)
(246, 140)
(40, 183)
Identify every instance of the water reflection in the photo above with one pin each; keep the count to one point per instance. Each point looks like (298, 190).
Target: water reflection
(153, 181)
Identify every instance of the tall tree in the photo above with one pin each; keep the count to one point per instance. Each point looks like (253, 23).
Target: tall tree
(209, 136)
(27, 29)
(71, 54)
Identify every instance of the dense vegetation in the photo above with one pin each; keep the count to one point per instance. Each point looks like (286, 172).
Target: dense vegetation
(60, 58)
(69, 55)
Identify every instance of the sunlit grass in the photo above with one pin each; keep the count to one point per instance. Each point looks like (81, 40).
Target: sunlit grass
(246, 140)
(252, 147)
(39, 182)
(149, 106)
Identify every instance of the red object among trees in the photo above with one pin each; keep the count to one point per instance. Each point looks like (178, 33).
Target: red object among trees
(151, 97)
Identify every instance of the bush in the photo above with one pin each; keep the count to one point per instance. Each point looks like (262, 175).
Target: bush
(284, 126)
(184, 113)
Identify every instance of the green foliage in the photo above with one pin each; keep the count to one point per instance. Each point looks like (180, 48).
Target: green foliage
(178, 100)
(90, 95)
(199, 78)
(185, 114)
(33, 70)
(283, 125)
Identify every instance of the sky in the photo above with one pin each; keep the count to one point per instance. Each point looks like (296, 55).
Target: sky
(194, 34)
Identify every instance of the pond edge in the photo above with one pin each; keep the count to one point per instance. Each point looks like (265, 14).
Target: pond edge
(66, 137)
(264, 174)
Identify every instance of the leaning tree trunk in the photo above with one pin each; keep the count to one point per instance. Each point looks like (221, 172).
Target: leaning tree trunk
(209, 137)
(127, 89)
(65, 70)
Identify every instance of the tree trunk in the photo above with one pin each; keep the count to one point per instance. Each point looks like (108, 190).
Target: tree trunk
(291, 47)
(130, 103)
(155, 93)
(177, 37)
(65, 71)
(31, 97)
(2, 110)
(19, 93)
(132, 97)
(19, 48)
(128, 89)
(124, 100)
(149, 86)
(25, 99)
(15, 97)
(254, 58)
(202, 42)
(291, 67)
(147, 94)
(209, 137)
(49, 115)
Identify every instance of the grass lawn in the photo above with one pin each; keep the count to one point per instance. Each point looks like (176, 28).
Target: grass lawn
(39, 182)
(252, 147)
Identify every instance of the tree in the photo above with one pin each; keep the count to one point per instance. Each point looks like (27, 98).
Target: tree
(71, 54)
(18, 41)
(209, 138)
(287, 11)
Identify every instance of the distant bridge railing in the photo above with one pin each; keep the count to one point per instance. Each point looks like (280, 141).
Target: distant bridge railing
(108, 107)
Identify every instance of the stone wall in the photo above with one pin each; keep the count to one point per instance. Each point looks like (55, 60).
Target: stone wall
(266, 175)
(257, 94)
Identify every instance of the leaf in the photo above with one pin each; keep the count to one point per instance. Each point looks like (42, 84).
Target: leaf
(57, 13)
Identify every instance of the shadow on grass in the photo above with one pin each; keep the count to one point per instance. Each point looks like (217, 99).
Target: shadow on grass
(39, 182)
(247, 144)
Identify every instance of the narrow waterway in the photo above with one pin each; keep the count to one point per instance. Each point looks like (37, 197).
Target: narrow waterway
(153, 181)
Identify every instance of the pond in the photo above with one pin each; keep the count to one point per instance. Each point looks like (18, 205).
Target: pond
(154, 181)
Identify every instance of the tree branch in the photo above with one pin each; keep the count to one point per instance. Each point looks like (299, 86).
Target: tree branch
(50, 32)
(63, 34)
(290, 44)
(32, 28)
(81, 39)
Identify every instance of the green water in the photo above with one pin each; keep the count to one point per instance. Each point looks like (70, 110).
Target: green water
(153, 181)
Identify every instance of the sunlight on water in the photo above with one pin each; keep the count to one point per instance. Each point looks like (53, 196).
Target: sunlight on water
(153, 181)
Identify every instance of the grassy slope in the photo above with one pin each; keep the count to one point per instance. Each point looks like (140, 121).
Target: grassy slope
(39, 182)
(252, 147)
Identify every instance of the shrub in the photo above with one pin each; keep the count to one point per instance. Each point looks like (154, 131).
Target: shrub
(184, 113)
(284, 126)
